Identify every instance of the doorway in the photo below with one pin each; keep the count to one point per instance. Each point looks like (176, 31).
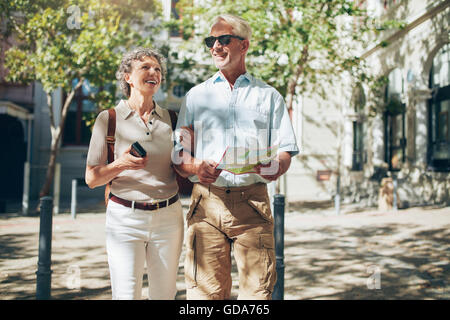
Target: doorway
(12, 158)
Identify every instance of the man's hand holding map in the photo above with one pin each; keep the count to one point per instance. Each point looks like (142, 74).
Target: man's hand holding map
(239, 160)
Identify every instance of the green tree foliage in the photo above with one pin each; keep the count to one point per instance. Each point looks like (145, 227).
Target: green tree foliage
(298, 46)
(301, 47)
(65, 42)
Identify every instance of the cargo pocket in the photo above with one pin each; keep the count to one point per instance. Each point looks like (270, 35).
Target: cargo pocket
(255, 258)
(262, 208)
(193, 206)
(269, 276)
(190, 265)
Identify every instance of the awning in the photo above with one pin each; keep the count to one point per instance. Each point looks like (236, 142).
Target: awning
(13, 110)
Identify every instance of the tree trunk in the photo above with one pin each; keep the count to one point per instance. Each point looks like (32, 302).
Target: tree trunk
(56, 132)
(293, 81)
(340, 137)
(45, 191)
(290, 94)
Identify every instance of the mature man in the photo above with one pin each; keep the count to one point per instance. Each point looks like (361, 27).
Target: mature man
(232, 109)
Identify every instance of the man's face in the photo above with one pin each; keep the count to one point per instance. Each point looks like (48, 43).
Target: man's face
(228, 57)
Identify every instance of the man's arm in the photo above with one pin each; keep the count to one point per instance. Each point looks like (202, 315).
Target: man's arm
(275, 168)
(205, 170)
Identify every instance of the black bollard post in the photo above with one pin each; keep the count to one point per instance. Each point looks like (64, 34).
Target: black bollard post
(278, 208)
(44, 274)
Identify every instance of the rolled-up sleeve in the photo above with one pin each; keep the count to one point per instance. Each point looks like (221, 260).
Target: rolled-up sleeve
(282, 132)
(98, 152)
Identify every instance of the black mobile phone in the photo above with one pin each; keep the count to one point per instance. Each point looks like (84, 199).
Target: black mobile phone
(137, 150)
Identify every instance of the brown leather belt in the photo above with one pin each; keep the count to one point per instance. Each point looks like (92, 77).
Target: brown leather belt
(145, 205)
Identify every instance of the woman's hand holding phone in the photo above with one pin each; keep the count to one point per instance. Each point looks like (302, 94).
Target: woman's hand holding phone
(127, 161)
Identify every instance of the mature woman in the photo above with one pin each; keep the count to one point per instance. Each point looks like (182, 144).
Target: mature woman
(144, 221)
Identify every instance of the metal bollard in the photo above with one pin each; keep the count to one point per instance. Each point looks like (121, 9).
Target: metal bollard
(278, 207)
(44, 274)
(73, 205)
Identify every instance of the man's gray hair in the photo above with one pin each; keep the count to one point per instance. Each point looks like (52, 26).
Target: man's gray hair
(240, 26)
(126, 66)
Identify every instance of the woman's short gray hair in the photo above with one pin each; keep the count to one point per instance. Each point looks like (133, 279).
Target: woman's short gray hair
(240, 26)
(126, 66)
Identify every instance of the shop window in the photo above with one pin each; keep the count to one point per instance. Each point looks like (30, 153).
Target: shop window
(394, 121)
(439, 112)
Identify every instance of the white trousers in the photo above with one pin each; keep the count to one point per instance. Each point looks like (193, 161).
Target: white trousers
(135, 236)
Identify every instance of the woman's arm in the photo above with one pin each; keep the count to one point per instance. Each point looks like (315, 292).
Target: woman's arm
(99, 175)
(204, 169)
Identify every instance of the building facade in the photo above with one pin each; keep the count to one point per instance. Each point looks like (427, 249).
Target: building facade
(345, 149)
(348, 148)
(25, 128)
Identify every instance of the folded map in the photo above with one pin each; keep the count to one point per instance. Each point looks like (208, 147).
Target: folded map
(239, 160)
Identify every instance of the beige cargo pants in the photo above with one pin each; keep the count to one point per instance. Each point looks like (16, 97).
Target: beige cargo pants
(222, 218)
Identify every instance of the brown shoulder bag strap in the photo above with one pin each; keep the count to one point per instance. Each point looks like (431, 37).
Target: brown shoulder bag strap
(173, 119)
(110, 140)
(111, 136)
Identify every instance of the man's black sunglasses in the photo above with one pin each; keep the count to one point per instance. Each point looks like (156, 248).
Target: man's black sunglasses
(223, 39)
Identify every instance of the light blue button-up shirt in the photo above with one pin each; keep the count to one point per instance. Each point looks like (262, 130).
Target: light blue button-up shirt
(251, 115)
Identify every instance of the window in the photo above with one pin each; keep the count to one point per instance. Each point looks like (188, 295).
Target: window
(178, 91)
(439, 112)
(75, 131)
(394, 121)
(358, 101)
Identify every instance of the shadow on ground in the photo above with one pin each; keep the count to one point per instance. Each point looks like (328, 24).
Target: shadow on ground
(79, 267)
(367, 263)
(322, 260)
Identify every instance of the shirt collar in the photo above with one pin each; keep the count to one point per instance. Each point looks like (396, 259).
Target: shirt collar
(219, 77)
(158, 110)
(124, 110)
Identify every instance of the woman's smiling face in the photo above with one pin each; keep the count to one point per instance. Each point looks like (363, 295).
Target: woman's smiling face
(145, 76)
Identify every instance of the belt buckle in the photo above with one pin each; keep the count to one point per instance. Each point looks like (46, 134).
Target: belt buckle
(155, 203)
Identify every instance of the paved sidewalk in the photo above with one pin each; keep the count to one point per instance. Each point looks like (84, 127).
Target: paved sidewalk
(362, 255)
